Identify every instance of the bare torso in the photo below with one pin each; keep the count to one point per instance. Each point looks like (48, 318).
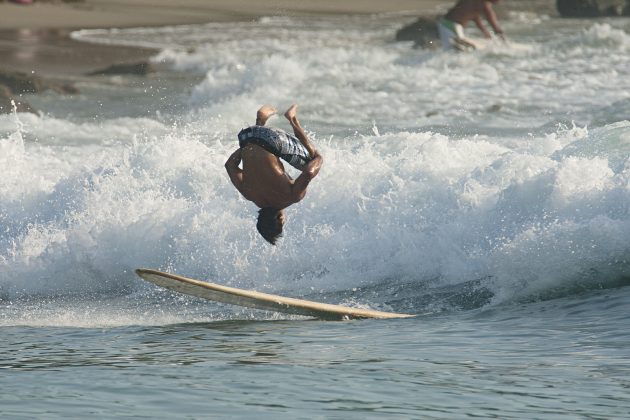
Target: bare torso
(265, 181)
(465, 11)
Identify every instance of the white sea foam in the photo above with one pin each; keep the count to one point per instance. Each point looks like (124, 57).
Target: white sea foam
(439, 168)
(409, 206)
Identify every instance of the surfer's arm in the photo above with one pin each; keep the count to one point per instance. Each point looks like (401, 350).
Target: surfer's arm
(235, 173)
(463, 43)
(310, 171)
(482, 27)
(491, 17)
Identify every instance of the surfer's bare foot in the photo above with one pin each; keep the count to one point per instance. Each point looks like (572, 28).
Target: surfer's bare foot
(291, 113)
(264, 113)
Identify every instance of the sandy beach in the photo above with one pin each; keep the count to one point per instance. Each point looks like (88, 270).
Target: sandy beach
(103, 13)
(36, 37)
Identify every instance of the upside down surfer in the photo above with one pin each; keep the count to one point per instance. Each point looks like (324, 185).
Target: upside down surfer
(263, 179)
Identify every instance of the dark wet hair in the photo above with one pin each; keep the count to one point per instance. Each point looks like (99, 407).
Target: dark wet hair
(269, 225)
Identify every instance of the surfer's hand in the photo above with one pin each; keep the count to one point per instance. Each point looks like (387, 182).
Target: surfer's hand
(235, 173)
(310, 171)
(313, 167)
(234, 159)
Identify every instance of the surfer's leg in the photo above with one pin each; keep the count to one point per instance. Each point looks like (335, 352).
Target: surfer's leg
(291, 115)
(264, 113)
(446, 32)
(461, 41)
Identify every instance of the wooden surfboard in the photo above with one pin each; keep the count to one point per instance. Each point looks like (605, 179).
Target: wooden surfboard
(258, 300)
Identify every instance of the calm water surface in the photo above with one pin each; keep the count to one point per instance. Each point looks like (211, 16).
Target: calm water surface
(564, 358)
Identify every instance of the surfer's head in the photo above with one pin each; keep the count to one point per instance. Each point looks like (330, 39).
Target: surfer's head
(270, 222)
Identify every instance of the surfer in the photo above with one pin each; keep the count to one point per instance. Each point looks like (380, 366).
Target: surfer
(263, 179)
(451, 26)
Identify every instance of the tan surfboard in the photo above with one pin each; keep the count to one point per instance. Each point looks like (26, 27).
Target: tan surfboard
(258, 300)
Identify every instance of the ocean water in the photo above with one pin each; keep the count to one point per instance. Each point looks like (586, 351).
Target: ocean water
(487, 192)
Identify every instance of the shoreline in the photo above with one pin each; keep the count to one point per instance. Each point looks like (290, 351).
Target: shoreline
(36, 38)
(91, 14)
(53, 53)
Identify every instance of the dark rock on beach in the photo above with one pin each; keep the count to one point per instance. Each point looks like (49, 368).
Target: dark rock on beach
(423, 32)
(138, 69)
(19, 82)
(592, 8)
(14, 83)
(5, 102)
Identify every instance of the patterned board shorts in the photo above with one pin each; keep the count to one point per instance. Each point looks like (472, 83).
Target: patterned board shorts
(278, 142)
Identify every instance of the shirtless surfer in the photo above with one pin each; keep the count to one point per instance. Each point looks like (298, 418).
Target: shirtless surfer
(263, 179)
(451, 26)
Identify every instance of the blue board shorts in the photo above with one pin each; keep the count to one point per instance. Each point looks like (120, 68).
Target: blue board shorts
(277, 142)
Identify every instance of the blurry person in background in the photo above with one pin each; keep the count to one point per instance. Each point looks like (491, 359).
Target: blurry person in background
(451, 26)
